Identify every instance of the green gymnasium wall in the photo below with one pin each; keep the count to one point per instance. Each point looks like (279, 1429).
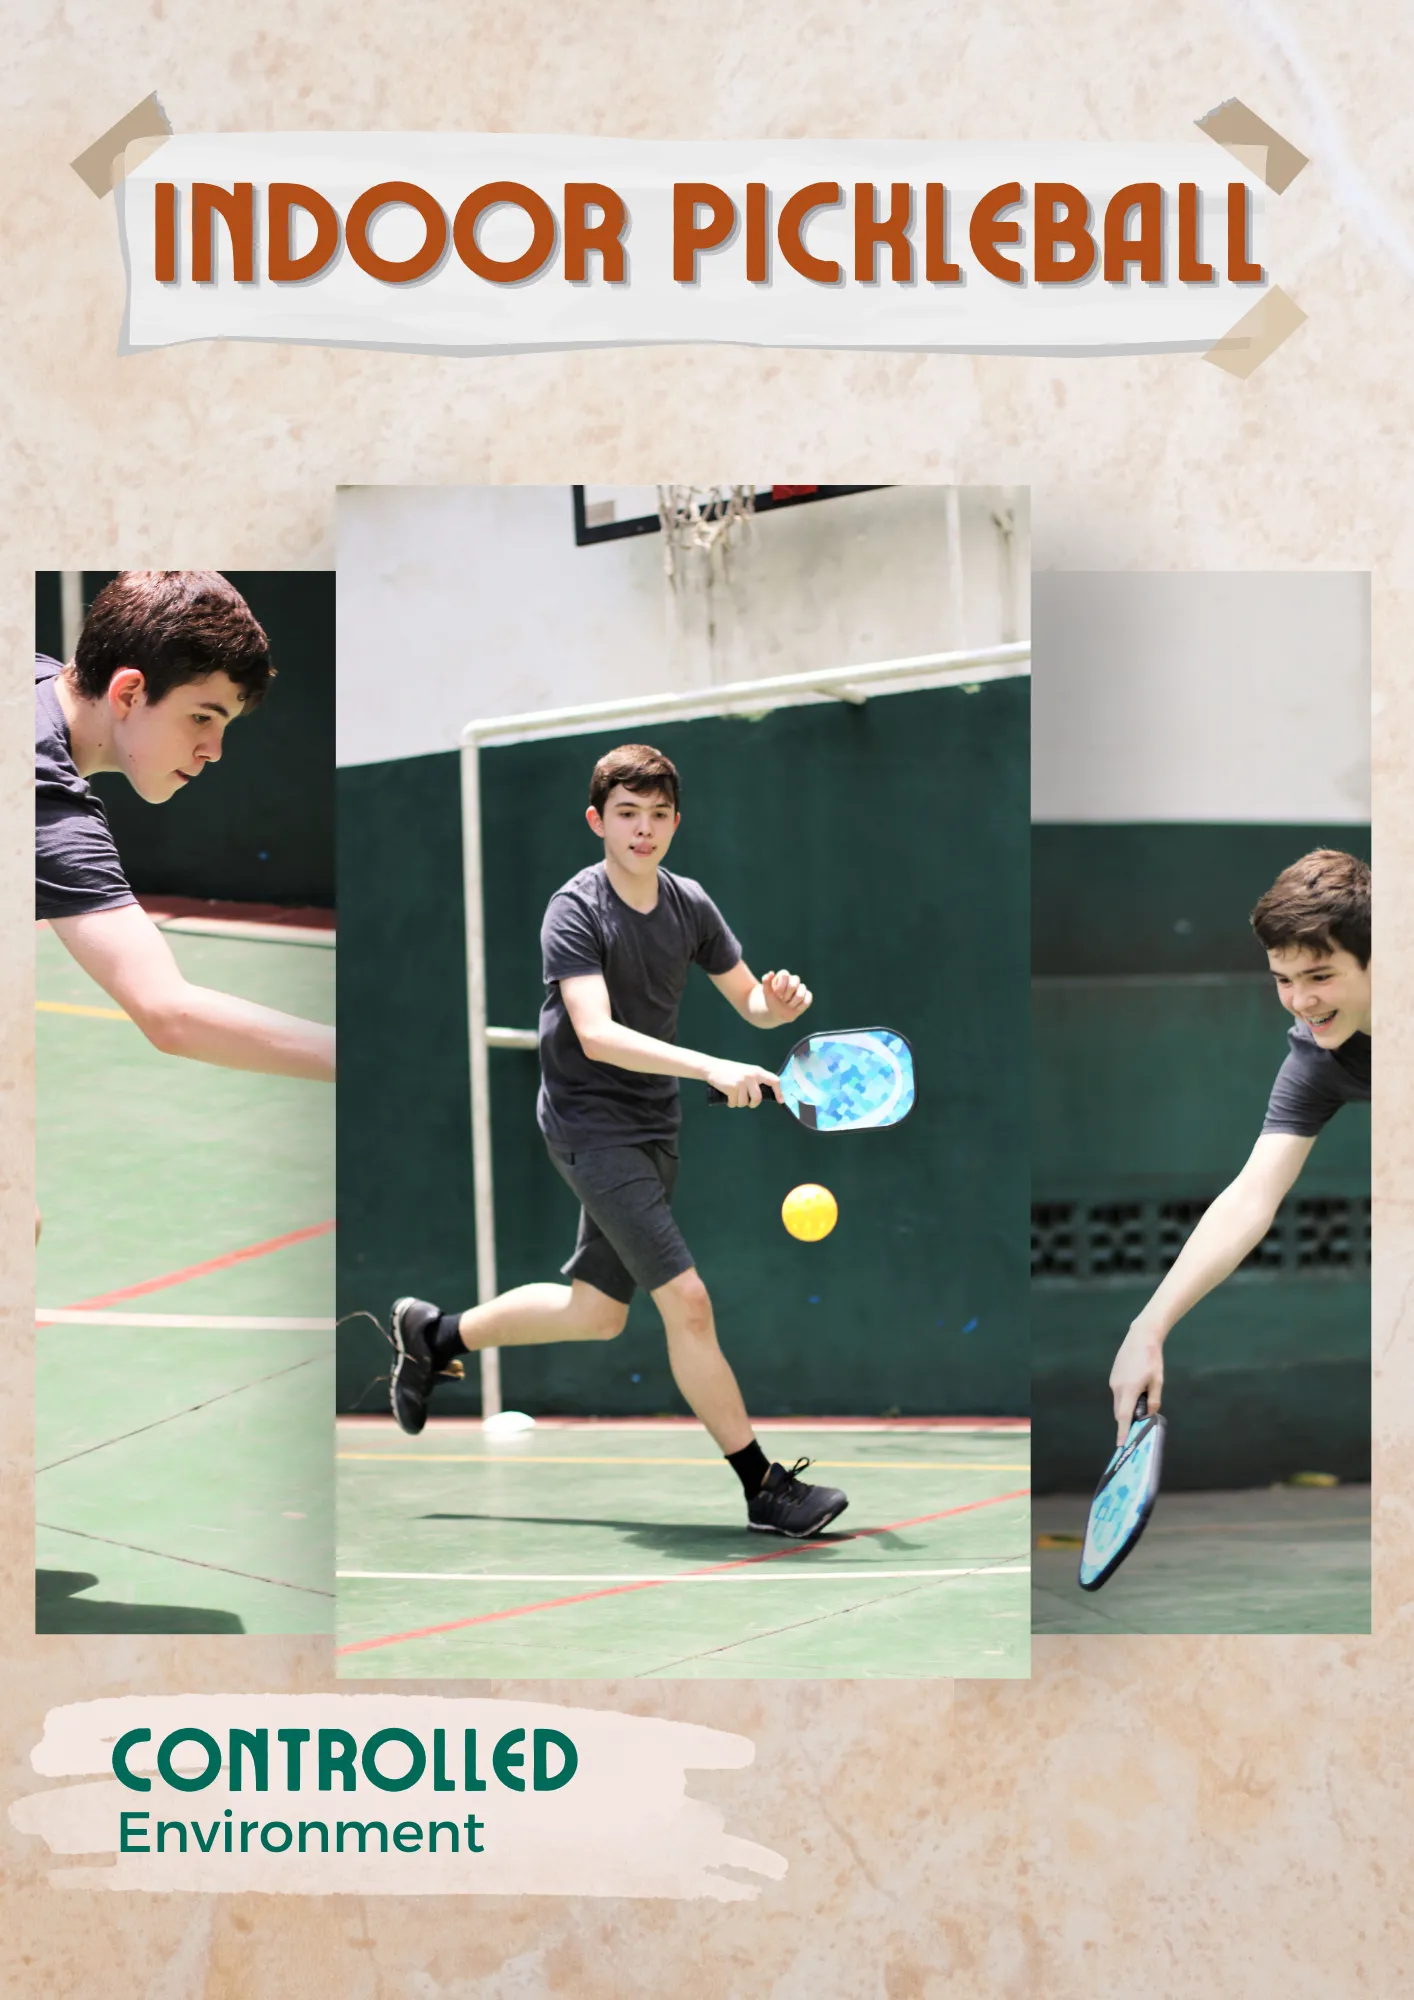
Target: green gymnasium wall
(260, 828)
(1155, 1038)
(882, 852)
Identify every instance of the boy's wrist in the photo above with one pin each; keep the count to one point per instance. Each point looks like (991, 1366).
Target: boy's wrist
(1145, 1327)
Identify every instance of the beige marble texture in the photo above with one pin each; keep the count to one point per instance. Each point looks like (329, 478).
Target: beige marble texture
(1208, 1817)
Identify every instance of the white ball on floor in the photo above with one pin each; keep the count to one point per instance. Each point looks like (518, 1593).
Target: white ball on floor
(507, 1423)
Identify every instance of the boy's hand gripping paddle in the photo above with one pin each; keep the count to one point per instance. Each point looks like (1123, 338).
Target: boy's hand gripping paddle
(846, 1081)
(1124, 1498)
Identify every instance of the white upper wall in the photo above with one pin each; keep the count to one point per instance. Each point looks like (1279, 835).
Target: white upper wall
(1196, 696)
(459, 602)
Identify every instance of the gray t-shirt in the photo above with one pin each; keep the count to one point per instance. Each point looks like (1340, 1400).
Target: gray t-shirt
(1313, 1082)
(76, 865)
(644, 959)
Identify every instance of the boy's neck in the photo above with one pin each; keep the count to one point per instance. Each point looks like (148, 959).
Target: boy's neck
(640, 892)
(87, 724)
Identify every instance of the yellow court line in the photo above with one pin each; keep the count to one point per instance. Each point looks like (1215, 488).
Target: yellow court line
(541, 1458)
(69, 1007)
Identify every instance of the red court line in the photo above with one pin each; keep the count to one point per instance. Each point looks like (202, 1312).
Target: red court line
(201, 1270)
(657, 1583)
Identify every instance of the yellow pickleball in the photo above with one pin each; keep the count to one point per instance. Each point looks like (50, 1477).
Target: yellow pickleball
(810, 1212)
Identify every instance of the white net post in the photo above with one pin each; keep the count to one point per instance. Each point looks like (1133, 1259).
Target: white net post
(484, 1193)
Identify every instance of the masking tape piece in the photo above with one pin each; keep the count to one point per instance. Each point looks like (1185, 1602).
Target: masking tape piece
(1253, 142)
(1244, 348)
(102, 165)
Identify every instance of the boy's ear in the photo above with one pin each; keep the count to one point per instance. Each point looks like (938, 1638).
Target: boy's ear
(125, 688)
(594, 820)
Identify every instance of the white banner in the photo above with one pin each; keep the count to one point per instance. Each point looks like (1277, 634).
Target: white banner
(456, 243)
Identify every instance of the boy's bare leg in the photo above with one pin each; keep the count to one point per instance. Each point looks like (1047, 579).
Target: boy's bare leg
(700, 1369)
(532, 1315)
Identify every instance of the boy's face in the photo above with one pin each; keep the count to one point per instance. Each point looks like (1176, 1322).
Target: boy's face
(162, 746)
(636, 828)
(1328, 990)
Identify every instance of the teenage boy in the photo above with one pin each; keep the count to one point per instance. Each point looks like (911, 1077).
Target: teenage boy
(618, 940)
(1314, 924)
(166, 661)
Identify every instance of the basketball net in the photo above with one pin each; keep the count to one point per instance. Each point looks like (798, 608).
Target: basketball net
(701, 517)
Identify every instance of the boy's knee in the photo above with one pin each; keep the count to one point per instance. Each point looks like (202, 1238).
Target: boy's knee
(688, 1301)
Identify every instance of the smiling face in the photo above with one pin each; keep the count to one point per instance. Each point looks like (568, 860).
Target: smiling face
(1327, 989)
(162, 746)
(636, 828)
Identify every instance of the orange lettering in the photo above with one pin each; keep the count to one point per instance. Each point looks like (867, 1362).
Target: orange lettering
(1147, 248)
(284, 198)
(819, 194)
(395, 271)
(511, 270)
(1062, 216)
(605, 235)
(236, 209)
(985, 232)
(870, 231)
(691, 236)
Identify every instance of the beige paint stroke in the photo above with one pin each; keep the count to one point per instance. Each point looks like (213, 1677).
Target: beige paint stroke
(623, 1825)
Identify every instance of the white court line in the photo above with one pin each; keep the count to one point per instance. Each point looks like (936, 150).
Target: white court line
(206, 1322)
(856, 1571)
(224, 927)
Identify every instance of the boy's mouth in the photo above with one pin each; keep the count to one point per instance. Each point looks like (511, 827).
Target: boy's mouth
(1318, 1021)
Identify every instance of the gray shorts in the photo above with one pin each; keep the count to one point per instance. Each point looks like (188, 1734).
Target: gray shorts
(627, 1234)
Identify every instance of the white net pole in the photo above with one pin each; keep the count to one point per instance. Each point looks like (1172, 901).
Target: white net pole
(484, 1195)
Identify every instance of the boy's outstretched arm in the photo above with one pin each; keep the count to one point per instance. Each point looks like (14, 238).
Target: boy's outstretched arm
(606, 1040)
(1232, 1225)
(131, 960)
(772, 1001)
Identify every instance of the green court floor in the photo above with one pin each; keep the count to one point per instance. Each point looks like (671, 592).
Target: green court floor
(1279, 1559)
(182, 1467)
(620, 1550)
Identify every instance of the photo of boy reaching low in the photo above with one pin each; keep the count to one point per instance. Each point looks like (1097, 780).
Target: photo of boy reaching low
(1314, 924)
(166, 662)
(618, 941)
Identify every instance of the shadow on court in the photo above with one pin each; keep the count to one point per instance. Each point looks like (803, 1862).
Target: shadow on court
(59, 1607)
(700, 1541)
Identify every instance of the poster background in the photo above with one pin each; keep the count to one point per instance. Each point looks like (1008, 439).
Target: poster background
(1233, 1813)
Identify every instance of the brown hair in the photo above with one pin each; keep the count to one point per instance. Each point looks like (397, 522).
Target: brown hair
(175, 626)
(638, 768)
(1319, 902)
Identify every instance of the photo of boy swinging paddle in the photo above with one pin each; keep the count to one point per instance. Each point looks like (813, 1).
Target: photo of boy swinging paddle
(618, 941)
(167, 661)
(1314, 924)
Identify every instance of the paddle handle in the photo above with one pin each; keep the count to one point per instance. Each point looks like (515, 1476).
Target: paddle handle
(720, 1096)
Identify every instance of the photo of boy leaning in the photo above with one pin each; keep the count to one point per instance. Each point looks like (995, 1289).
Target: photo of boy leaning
(1314, 925)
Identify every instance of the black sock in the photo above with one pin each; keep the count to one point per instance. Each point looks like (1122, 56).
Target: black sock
(750, 1465)
(445, 1341)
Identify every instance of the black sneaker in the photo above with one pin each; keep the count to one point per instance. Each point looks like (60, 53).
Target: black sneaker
(785, 1505)
(415, 1373)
